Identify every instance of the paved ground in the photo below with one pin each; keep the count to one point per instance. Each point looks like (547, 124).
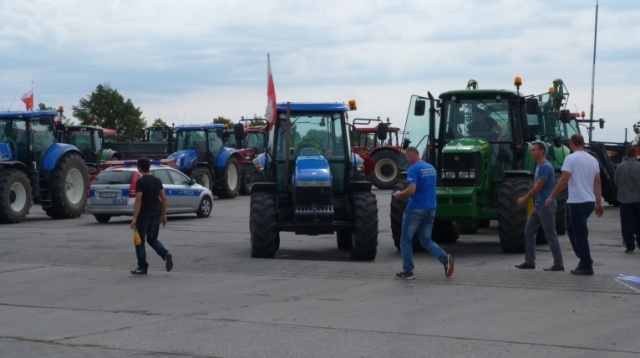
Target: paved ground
(66, 291)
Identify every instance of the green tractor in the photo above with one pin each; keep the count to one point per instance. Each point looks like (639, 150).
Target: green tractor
(313, 184)
(89, 139)
(479, 141)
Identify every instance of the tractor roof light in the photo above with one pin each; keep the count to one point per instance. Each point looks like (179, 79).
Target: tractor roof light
(551, 90)
(517, 81)
(94, 122)
(582, 114)
(388, 120)
(352, 105)
(60, 109)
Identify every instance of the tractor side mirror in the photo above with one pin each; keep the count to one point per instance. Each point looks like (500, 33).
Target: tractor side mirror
(405, 143)
(420, 109)
(382, 131)
(532, 105)
(565, 116)
(601, 121)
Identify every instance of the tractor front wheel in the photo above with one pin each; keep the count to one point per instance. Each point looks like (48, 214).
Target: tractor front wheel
(511, 217)
(15, 196)
(365, 238)
(248, 175)
(265, 240)
(396, 213)
(203, 176)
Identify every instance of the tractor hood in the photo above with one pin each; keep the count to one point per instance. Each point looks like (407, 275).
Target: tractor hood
(312, 171)
(184, 158)
(465, 145)
(6, 152)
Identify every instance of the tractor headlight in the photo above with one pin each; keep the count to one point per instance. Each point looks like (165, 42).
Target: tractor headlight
(448, 174)
(463, 174)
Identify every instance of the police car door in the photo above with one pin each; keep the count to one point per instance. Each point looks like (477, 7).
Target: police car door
(171, 190)
(189, 197)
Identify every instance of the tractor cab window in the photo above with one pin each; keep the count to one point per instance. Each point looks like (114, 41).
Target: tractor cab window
(321, 132)
(486, 119)
(82, 140)
(255, 140)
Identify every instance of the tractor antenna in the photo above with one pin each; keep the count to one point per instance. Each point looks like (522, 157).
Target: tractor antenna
(593, 73)
(14, 98)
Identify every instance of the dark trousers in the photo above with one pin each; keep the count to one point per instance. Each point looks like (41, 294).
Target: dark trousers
(579, 233)
(148, 225)
(630, 223)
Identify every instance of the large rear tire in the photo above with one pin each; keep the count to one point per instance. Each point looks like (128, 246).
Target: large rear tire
(248, 175)
(397, 211)
(229, 180)
(265, 240)
(203, 176)
(365, 237)
(385, 170)
(68, 188)
(15, 196)
(512, 218)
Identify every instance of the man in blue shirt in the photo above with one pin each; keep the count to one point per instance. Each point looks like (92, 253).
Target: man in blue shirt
(543, 184)
(419, 215)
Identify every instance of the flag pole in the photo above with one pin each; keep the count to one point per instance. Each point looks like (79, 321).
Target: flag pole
(593, 74)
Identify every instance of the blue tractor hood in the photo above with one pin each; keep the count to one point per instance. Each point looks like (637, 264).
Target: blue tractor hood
(184, 159)
(312, 171)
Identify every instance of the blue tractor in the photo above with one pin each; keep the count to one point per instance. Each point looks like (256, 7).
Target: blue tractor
(312, 183)
(201, 155)
(36, 169)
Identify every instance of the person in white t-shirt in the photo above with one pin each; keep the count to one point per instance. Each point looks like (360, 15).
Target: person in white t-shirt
(581, 172)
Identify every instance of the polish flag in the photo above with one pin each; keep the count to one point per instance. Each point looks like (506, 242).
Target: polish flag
(27, 98)
(271, 113)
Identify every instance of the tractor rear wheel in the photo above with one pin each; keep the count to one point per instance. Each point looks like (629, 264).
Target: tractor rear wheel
(248, 175)
(385, 170)
(265, 240)
(203, 176)
(512, 218)
(365, 238)
(68, 188)
(15, 196)
(229, 180)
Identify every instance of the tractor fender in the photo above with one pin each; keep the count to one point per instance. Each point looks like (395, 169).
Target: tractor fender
(185, 159)
(55, 152)
(224, 155)
(383, 147)
(518, 173)
(262, 187)
(13, 164)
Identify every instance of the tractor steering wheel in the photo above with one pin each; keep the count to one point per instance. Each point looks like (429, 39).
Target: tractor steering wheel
(308, 143)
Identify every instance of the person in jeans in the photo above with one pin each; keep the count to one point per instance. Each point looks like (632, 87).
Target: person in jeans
(543, 183)
(627, 180)
(581, 172)
(419, 215)
(149, 211)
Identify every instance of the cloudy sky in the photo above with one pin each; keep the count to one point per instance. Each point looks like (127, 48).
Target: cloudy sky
(189, 61)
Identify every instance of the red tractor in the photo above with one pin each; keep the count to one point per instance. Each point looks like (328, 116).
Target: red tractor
(381, 144)
(248, 137)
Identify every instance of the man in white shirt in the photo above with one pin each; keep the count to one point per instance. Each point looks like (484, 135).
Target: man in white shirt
(581, 172)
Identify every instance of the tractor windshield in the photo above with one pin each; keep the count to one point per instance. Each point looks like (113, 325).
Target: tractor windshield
(321, 133)
(158, 135)
(206, 143)
(486, 119)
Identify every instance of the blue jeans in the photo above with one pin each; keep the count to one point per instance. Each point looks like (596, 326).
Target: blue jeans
(148, 225)
(630, 223)
(420, 221)
(579, 232)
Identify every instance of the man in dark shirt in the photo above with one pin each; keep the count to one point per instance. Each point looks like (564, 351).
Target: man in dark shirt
(150, 209)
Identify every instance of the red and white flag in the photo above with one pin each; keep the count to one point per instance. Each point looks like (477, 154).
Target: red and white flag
(27, 98)
(271, 113)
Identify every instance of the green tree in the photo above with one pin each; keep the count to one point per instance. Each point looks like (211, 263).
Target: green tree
(111, 110)
(65, 120)
(158, 122)
(223, 120)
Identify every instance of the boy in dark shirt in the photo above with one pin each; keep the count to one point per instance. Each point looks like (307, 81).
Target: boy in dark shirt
(150, 209)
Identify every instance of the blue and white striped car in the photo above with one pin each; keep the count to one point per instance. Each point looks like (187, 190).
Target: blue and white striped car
(113, 192)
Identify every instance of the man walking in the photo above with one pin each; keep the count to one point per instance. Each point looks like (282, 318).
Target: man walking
(543, 183)
(581, 173)
(627, 180)
(149, 211)
(419, 215)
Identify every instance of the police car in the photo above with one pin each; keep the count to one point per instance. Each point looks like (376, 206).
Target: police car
(113, 192)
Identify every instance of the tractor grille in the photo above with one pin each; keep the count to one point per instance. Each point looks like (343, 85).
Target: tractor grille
(461, 169)
(313, 203)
